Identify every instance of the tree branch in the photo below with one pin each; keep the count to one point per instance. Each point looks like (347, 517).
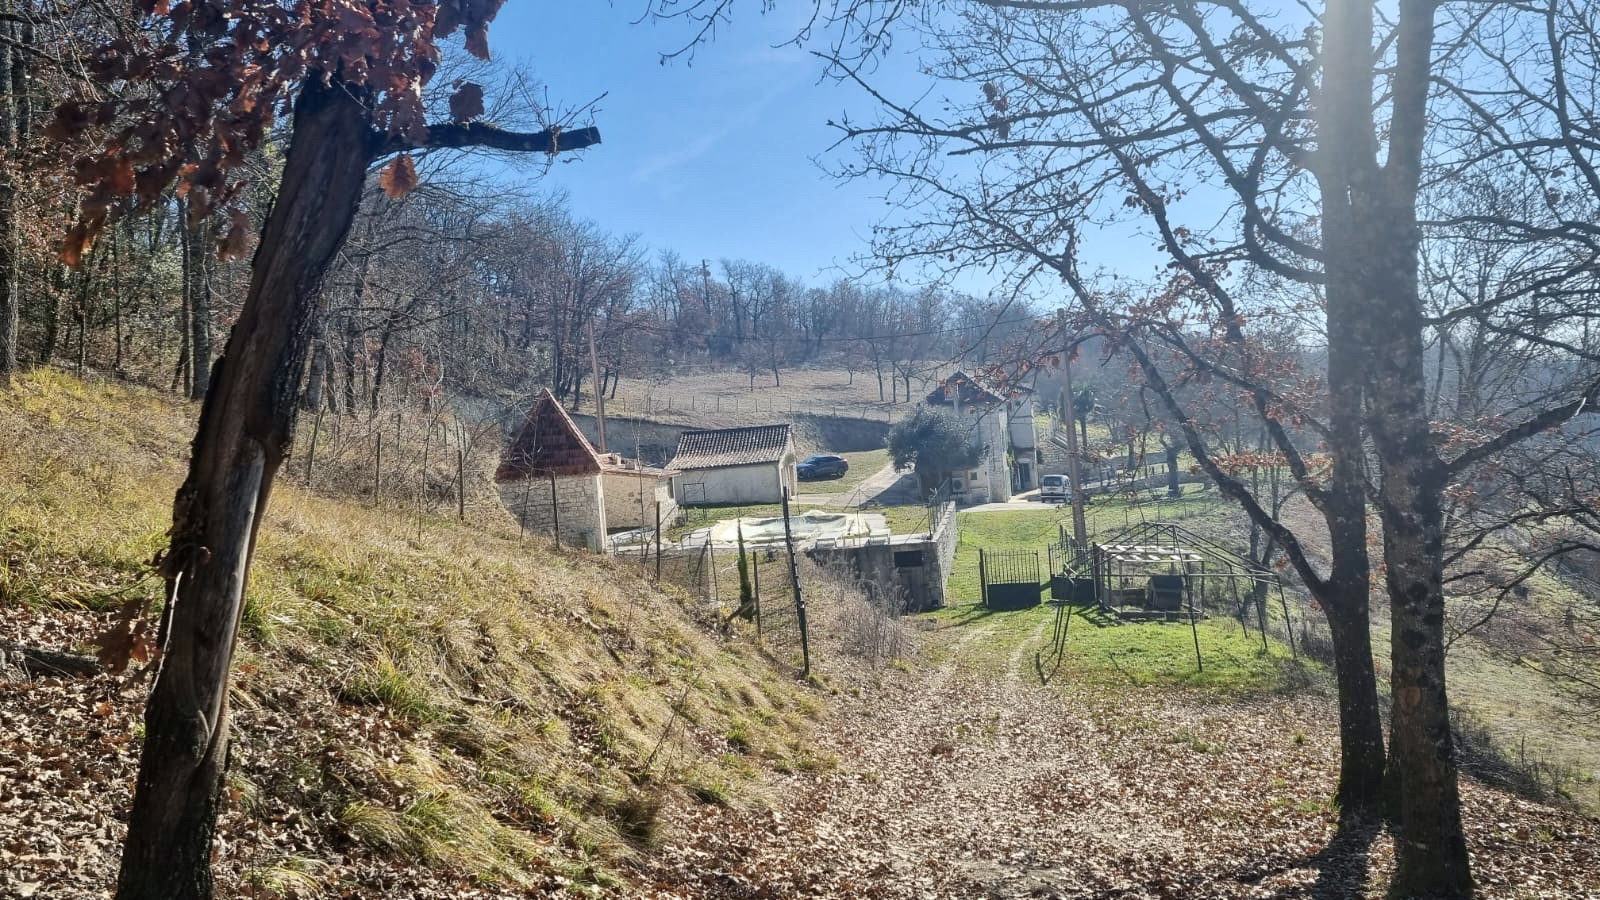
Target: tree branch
(1524, 430)
(479, 134)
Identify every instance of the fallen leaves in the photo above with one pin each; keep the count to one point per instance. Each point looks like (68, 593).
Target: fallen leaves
(957, 782)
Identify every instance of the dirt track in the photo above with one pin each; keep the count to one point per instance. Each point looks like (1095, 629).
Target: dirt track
(967, 778)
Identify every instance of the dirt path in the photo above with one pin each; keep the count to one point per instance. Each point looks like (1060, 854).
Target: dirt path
(967, 779)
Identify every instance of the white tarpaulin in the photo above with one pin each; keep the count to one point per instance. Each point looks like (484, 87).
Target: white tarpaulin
(807, 526)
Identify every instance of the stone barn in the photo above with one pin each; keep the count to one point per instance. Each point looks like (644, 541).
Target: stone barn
(734, 466)
(552, 480)
(634, 492)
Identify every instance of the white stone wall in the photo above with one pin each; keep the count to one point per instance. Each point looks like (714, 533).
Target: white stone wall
(631, 500)
(579, 507)
(731, 485)
(992, 465)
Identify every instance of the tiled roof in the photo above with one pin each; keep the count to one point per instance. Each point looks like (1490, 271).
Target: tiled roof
(550, 443)
(730, 447)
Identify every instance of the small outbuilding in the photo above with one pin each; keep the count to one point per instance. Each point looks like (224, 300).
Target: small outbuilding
(552, 480)
(728, 466)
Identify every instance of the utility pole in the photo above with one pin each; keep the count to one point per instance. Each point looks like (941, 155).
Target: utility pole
(599, 392)
(1080, 531)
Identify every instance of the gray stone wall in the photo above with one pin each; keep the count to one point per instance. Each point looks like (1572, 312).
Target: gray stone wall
(631, 500)
(578, 508)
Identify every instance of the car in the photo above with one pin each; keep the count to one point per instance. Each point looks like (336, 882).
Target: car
(822, 465)
(1053, 487)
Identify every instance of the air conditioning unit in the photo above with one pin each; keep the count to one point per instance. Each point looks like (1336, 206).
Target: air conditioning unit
(958, 485)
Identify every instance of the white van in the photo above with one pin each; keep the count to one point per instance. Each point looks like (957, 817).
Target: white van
(1053, 487)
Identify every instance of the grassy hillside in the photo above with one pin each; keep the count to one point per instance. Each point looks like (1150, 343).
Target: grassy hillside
(422, 708)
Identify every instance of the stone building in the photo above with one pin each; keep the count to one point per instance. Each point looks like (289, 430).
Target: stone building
(635, 493)
(1001, 420)
(552, 480)
(727, 466)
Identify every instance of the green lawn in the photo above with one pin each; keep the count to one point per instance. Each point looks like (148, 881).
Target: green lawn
(1098, 648)
(1102, 651)
(863, 465)
(1036, 529)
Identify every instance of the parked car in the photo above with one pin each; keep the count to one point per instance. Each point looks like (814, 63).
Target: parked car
(1053, 487)
(813, 468)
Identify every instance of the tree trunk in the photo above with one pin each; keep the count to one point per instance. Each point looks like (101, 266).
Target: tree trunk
(197, 267)
(347, 362)
(1430, 850)
(245, 428)
(52, 314)
(317, 378)
(1371, 244)
(10, 299)
(1361, 755)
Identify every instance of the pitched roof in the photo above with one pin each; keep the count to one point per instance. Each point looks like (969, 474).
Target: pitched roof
(974, 389)
(750, 445)
(549, 443)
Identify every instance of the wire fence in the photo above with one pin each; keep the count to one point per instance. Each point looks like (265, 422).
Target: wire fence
(710, 574)
(756, 402)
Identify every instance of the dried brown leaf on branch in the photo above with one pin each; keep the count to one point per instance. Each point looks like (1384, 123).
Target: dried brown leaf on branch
(466, 103)
(399, 177)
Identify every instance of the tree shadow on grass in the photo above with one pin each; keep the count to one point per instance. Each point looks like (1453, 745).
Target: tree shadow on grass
(972, 615)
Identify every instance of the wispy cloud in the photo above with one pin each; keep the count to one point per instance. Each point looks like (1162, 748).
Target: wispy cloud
(682, 154)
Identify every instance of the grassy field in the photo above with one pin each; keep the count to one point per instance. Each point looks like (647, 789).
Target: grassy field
(1100, 649)
(863, 465)
(725, 398)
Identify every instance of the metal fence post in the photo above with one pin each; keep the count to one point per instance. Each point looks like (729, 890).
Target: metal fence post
(799, 601)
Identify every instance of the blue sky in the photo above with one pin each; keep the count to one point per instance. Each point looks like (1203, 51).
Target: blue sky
(711, 157)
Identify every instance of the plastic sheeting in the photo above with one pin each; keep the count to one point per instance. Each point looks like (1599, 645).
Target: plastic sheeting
(809, 525)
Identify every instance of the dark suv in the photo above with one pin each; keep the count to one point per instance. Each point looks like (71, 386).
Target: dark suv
(813, 468)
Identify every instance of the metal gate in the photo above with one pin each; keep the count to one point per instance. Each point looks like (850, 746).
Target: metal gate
(1010, 578)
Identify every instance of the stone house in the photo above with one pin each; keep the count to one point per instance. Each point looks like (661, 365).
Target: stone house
(727, 466)
(1002, 427)
(552, 480)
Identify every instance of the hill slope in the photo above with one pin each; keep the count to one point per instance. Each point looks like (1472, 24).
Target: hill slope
(422, 708)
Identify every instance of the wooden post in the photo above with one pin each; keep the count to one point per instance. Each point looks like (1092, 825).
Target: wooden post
(658, 542)
(983, 580)
(461, 481)
(1199, 665)
(799, 601)
(377, 468)
(1261, 611)
(755, 576)
(1288, 626)
(311, 452)
(555, 510)
(716, 589)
